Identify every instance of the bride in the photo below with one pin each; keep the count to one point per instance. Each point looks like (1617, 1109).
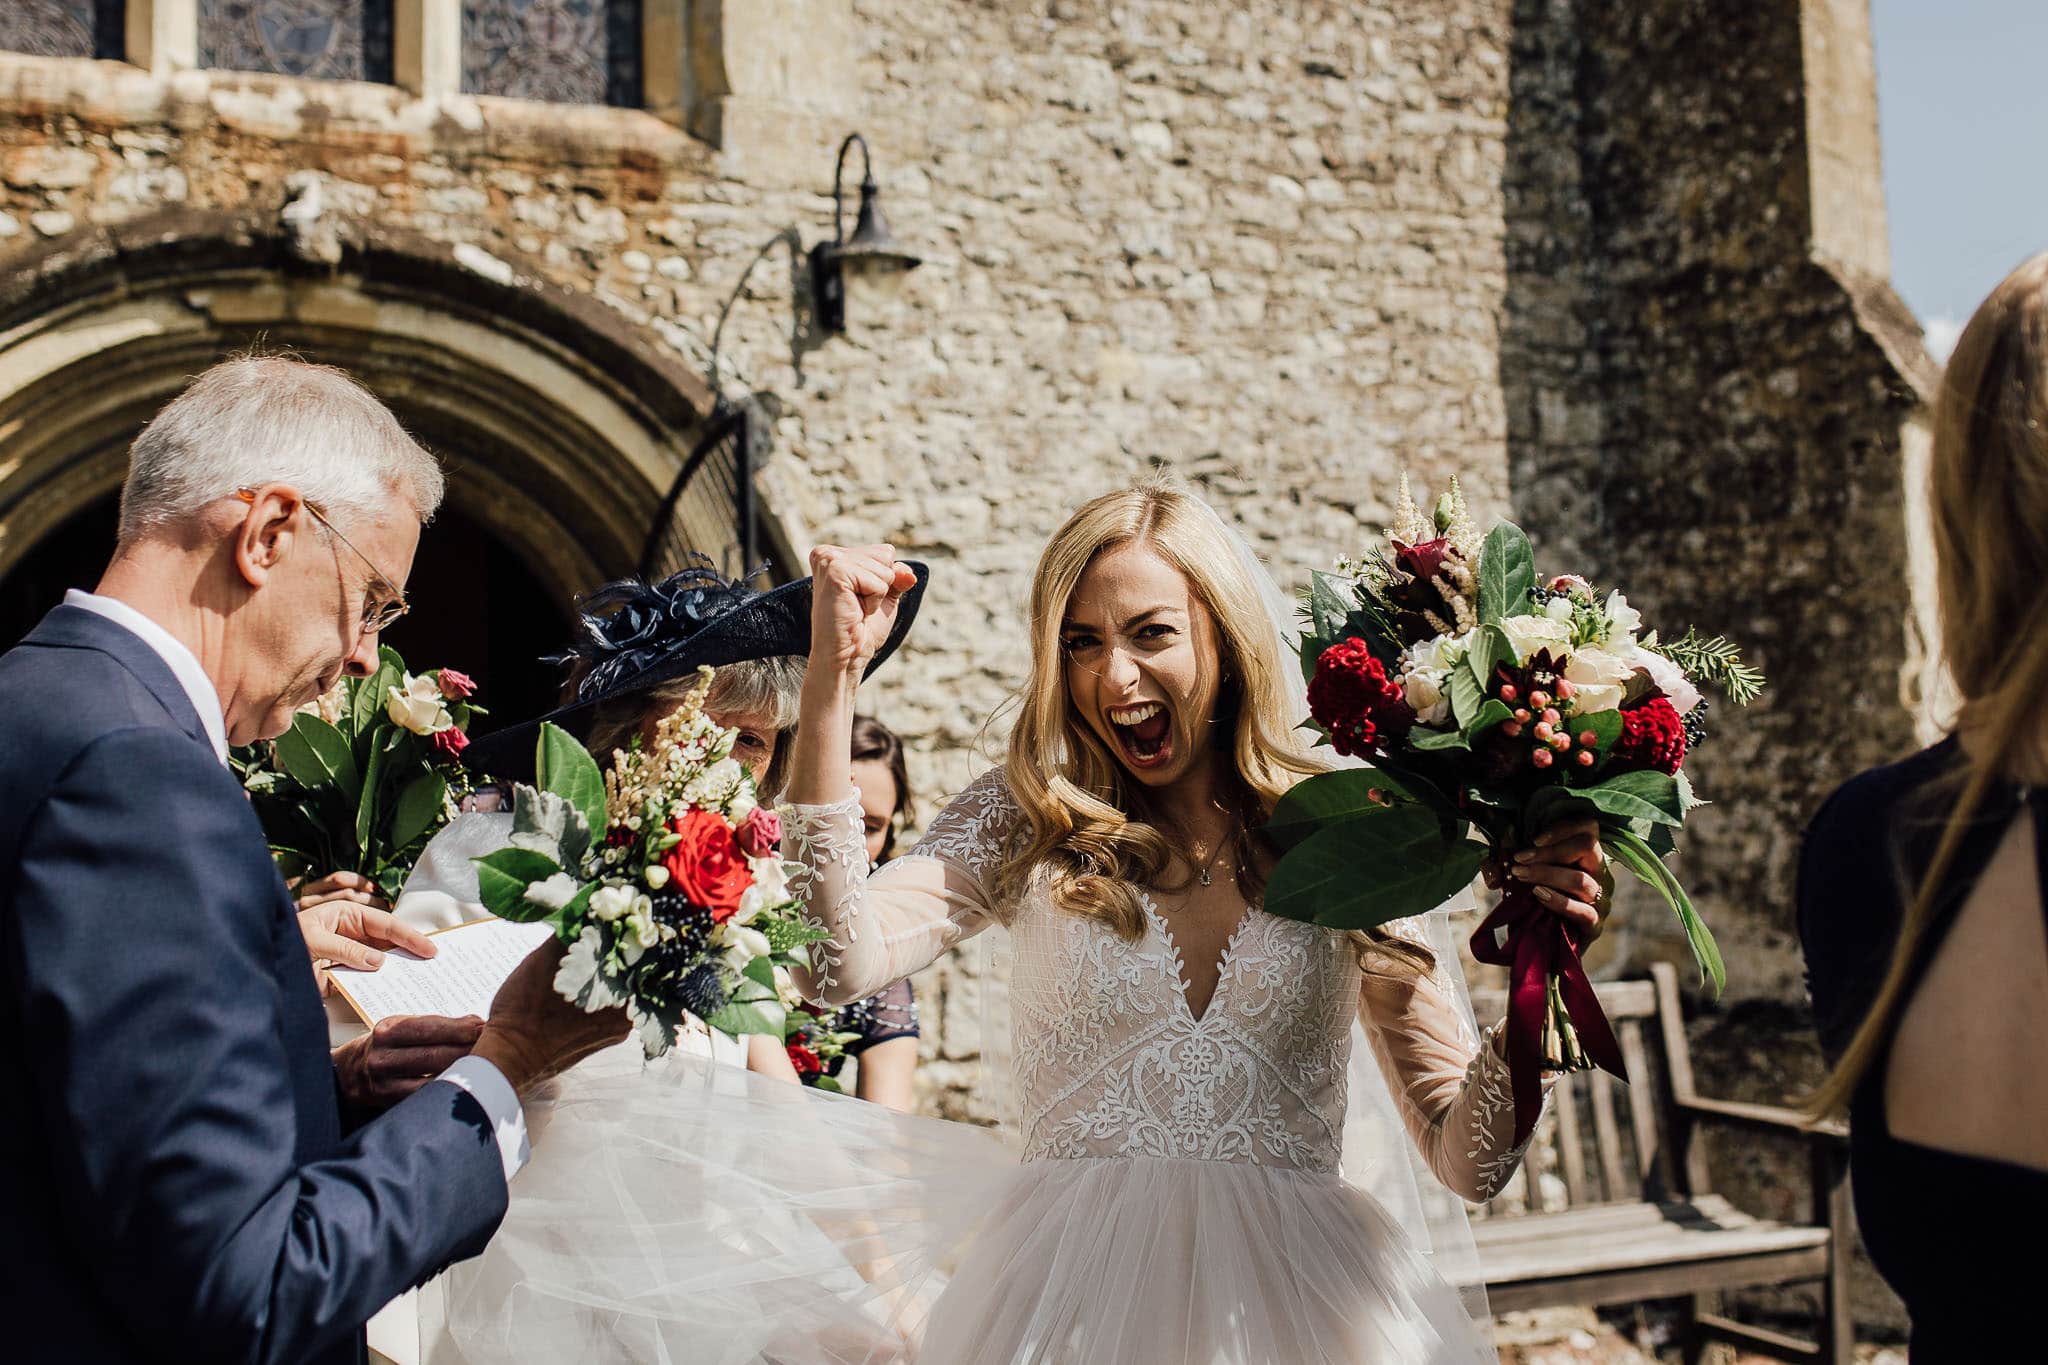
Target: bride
(1184, 1063)
(1180, 1055)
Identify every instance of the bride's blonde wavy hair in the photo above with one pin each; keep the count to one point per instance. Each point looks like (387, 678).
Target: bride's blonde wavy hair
(1085, 819)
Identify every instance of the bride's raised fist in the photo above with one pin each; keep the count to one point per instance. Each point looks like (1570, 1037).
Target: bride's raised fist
(854, 595)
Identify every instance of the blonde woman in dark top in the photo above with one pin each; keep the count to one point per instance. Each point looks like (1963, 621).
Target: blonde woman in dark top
(1928, 965)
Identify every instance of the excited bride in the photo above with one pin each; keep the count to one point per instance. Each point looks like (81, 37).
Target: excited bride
(1180, 1055)
(1200, 1082)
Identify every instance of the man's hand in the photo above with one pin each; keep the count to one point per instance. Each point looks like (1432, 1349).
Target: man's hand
(533, 1033)
(347, 923)
(400, 1055)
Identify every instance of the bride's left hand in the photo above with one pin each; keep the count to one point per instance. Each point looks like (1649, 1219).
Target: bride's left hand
(1567, 870)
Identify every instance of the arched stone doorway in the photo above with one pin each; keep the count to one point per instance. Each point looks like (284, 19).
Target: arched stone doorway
(561, 428)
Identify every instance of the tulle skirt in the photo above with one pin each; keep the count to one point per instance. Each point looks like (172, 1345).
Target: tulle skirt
(699, 1214)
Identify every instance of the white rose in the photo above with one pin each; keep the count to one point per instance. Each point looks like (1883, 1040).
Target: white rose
(1528, 634)
(1668, 676)
(1598, 679)
(579, 973)
(610, 902)
(1624, 621)
(1424, 691)
(1438, 654)
(742, 945)
(554, 893)
(742, 806)
(418, 706)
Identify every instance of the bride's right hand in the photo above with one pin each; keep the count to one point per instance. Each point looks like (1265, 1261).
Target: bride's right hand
(854, 596)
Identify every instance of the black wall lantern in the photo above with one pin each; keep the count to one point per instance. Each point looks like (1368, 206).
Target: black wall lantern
(871, 251)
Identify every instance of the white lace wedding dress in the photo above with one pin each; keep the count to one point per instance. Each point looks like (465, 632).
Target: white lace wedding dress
(1179, 1200)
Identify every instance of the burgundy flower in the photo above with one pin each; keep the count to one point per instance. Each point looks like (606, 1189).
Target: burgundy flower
(1354, 700)
(1423, 560)
(1652, 736)
(456, 686)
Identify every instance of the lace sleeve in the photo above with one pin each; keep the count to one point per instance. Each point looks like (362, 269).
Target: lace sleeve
(896, 921)
(1453, 1087)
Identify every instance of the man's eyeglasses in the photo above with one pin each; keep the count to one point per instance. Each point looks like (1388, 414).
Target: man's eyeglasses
(377, 616)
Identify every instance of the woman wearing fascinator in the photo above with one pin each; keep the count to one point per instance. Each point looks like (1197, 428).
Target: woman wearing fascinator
(1245, 1139)
(632, 661)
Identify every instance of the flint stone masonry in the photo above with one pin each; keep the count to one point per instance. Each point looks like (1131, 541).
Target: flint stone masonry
(1618, 266)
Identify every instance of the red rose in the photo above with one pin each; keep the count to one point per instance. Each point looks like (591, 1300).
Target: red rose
(1354, 700)
(456, 686)
(708, 865)
(450, 743)
(1652, 736)
(760, 834)
(804, 1060)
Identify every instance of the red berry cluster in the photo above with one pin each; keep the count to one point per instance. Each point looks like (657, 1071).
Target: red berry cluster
(1551, 739)
(1356, 703)
(1652, 736)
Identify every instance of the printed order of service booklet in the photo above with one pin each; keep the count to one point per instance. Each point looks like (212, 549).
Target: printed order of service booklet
(469, 964)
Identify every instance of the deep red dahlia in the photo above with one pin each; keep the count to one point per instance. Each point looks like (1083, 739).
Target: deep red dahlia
(1352, 698)
(1652, 736)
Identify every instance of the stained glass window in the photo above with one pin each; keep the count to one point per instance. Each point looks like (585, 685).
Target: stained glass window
(566, 51)
(336, 40)
(62, 28)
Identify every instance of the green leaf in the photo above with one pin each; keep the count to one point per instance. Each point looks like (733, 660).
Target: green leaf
(1651, 796)
(1428, 741)
(549, 824)
(1606, 728)
(1507, 571)
(418, 809)
(1466, 698)
(367, 698)
(1329, 602)
(1549, 805)
(1326, 799)
(316, 755)
(1488, 649)
(1492, 713)
(761, 971)
(1638, 857)
(763, 1016)
(1372, 868)
(566, 769)
(502, 878)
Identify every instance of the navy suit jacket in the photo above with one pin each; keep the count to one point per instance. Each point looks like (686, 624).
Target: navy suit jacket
(176, 1181)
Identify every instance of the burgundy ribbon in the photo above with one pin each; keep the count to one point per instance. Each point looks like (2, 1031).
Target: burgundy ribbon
(1536, 946)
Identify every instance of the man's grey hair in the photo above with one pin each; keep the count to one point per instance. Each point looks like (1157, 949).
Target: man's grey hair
(272, 419)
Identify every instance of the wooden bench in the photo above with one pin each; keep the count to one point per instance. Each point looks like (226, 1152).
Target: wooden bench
(1618, 1207)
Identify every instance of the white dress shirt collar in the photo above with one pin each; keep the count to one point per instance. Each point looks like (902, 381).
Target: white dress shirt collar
(184, 667)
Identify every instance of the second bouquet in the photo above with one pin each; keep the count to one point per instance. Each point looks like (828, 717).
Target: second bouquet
(663, 875)
(1484, 705)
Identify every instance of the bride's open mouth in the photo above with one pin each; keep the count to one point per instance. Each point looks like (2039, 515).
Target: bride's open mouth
(1143, 732)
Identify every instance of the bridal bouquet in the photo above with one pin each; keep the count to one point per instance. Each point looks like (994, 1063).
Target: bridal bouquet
(814, 1043)
(366, 774)
(662, 874)
(1486, 700)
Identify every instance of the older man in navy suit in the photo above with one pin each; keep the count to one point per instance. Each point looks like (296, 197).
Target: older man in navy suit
(177, 1177)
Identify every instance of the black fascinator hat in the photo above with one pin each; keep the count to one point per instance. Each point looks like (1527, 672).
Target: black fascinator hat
(632, 636)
